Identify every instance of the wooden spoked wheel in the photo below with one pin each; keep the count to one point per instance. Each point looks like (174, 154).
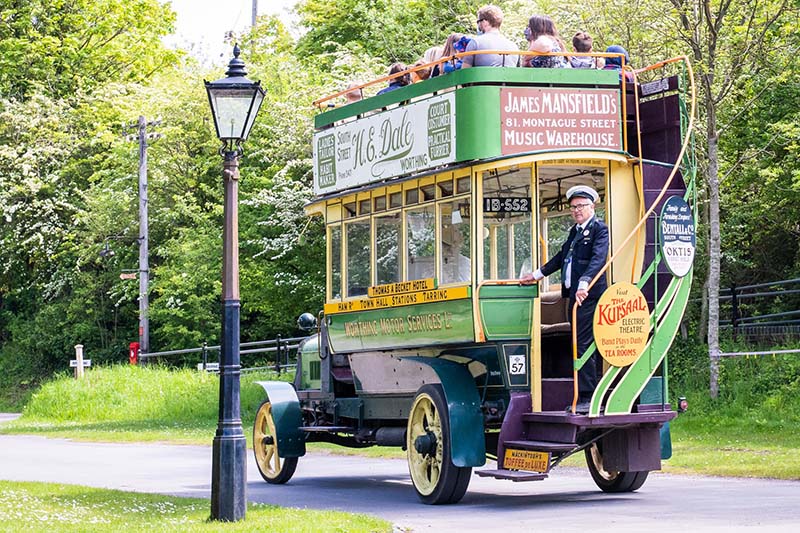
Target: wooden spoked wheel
(436, 479)
(273, 468)
(611, 480)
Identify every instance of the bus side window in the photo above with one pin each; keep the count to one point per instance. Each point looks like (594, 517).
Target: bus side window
(335, 261)
(455, 230)
(420, 235)
(507, 208)
(358, 263)
(388, 230)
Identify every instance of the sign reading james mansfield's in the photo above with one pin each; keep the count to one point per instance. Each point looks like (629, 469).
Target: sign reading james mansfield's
(385, 145)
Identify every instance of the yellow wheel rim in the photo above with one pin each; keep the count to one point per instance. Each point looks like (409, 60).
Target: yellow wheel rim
(424, 421)
(597, 459)
(265, 442)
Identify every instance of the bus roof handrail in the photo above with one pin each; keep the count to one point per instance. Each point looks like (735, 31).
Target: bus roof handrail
(523, 53)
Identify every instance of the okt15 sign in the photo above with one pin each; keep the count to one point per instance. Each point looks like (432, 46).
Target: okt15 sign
(678, 239)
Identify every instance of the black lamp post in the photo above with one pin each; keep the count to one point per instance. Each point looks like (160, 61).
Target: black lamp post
(235, 101)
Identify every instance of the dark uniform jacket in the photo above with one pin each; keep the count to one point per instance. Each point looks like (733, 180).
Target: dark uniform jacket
(588, 257)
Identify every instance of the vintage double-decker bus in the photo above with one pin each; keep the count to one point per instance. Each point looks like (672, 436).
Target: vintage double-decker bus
(436, 198)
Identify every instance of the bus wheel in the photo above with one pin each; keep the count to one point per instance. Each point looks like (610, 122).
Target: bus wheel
(611, 480)
(273, 468)
(436, 479)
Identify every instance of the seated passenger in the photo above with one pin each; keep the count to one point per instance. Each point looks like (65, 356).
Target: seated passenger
(455, 43)
(545, 44)
(582, 42)
(354, 92)
(398, 82)
(615, 63)
(420, 72)
(489, 38)
(543, 37)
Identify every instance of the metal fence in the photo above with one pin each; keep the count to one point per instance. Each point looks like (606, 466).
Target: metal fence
(285, 350)
(770, 327)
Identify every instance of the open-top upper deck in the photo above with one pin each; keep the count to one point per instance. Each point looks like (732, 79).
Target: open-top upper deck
(481, 113)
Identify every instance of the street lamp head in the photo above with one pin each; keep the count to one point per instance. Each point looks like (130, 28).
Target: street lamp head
(235, 102)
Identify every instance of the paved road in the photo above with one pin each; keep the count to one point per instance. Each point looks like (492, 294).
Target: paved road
(568, 501)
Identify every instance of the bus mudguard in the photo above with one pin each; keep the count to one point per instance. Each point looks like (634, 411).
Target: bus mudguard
(287, 416)
(468, 446)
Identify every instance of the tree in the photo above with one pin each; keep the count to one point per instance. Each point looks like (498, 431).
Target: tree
(728, 41)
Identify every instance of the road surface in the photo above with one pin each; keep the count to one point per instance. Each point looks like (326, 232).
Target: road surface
(569, 501)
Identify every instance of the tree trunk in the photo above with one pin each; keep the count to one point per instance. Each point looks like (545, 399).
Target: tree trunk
(714, 250)
(703, 325)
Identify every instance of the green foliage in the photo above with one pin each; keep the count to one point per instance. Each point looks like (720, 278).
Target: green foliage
(62, 47)
(390, 30)
(75, 508)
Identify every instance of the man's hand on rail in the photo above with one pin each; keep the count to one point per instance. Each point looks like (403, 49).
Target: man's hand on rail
(528, 279)
(581, 295)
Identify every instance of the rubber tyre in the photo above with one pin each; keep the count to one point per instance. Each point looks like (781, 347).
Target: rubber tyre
(273, 468)
(435, 478)
(611, 480)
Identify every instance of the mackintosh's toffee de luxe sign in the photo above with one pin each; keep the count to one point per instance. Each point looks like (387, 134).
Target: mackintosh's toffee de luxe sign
(621, 324)
(559, 119)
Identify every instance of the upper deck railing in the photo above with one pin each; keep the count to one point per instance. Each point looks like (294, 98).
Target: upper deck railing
(470, 114)
(327, 102)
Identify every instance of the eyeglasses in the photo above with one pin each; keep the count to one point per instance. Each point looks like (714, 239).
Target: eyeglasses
(577, 208)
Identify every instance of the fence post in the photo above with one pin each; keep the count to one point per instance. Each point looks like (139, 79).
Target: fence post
(278, 356)
(734, 310)
(205, 355)
(79, 357)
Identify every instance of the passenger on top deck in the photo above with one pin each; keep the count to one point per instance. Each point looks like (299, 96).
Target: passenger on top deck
(615, 63)
(489, 38)
(398, 82)
(582, 42)
(354, 92)
(449, 49)
(543, 37)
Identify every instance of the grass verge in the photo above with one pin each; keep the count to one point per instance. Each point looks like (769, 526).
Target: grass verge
(135, 404)
(32, 507)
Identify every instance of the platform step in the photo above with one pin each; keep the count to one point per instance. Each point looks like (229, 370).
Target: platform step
(602, 421)
(513, 475)
(541, 445)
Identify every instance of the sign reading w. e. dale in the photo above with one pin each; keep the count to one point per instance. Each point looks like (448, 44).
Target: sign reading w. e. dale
(403, 140)
(559, 119)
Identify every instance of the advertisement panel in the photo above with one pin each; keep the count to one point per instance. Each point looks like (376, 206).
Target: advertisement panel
(409, 138)
(678, 239)
(559, 119)
(621, 324)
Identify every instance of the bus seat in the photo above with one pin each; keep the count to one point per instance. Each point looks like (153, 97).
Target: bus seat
(555, 313)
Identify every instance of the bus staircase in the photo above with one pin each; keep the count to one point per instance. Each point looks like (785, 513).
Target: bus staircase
(662, 136)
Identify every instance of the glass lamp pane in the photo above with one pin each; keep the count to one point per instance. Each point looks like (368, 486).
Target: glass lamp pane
(258, 97)
(231, 107)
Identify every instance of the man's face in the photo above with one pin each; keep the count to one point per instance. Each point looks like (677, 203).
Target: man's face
(581, 209)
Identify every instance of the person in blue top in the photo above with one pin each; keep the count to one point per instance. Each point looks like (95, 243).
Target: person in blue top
(581, 257)
(400, 81)
(615, 63)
